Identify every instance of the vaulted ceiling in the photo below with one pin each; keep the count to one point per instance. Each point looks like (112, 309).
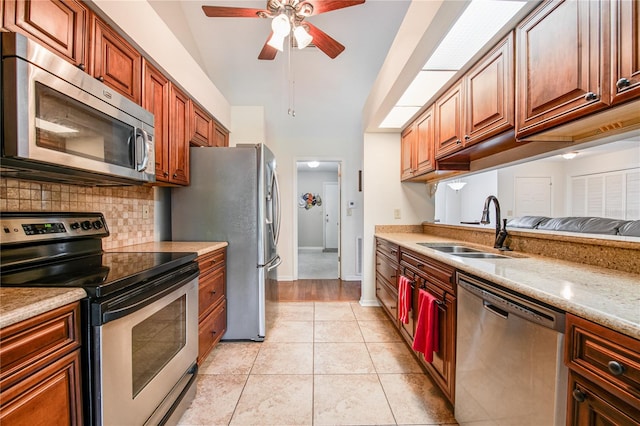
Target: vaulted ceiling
(327, 95)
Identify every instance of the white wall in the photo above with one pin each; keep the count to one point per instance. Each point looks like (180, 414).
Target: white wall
(310, 222)
(383, 193)
(247, 125)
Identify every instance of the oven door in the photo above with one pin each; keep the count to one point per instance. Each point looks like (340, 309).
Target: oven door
(144, 351)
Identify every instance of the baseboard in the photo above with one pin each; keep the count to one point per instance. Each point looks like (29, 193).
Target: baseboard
(369, 302)
(285, 278)
(352, 278)
(310, 249)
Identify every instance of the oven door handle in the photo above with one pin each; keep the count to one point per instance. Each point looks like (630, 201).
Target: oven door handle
(124, 305)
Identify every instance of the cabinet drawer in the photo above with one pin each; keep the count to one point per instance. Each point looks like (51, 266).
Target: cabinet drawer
(388, 297)
(607, 357)
(29, 345)
(387, 270)
(210, 331)
(211, 290)
(428, 269)
(212, 260)
(388, 249)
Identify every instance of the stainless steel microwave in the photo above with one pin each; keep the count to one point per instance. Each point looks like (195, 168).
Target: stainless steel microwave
(59, 124)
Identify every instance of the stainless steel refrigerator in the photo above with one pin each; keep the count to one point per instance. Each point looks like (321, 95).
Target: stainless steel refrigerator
(234, 197)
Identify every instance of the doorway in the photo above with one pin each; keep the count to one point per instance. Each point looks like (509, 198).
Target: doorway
(318, 219)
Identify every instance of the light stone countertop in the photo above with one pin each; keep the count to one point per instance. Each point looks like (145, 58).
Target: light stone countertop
(607, 297)
(199, 247)
(18, 304)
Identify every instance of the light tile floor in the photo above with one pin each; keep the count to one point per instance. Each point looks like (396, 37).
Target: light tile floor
(322, 363)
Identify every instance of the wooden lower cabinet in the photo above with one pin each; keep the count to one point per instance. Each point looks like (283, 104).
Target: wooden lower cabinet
(387, 277)
(604, 378)
(212, 301)
(40, 374)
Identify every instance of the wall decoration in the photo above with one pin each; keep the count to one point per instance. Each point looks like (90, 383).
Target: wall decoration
(308, 200)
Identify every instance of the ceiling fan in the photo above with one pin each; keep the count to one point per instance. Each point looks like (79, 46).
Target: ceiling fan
(288, 17)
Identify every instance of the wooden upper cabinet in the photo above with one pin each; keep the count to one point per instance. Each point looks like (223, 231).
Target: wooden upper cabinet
(115, 62)
(489, 94)
(425, 128)
(625, 50)
(221, 136)
(156, 100)
(61, 25)
(201, 127)
(178, 136)
(407, 156)
(449, 121)
(561, 52)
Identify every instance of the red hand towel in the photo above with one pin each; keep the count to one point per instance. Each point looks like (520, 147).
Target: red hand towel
(404, 298)
(426, 336)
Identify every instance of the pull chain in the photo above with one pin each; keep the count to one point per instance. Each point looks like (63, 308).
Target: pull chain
(292, 84)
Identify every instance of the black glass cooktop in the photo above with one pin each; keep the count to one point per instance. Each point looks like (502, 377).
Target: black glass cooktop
(99, 274)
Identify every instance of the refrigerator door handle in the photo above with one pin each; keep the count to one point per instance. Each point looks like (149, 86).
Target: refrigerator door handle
(277, 206)
(274, 263)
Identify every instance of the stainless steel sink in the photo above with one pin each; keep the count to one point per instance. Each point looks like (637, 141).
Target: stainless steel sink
(463, 251)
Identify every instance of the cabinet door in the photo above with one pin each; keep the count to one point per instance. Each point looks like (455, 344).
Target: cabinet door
(178, 136)
(116, 62)
(156, 100)
(442, 369)
(489, 93)
(591, 406)
(448, 115)
(407, 156)
(221, 136)
(560, 61)
(425, 161)
(201, 127)
(625, 50)
(51, 396)
(61, 25)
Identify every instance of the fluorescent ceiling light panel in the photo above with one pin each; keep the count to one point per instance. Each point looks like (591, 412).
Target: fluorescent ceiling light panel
(398, 116)
(423, 87)
(480, 21)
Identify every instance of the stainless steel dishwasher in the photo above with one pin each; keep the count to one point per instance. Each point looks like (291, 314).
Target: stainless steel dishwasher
(509, 364)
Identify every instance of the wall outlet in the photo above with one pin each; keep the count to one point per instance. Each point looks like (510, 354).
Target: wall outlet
(145, 212)
(396, 214)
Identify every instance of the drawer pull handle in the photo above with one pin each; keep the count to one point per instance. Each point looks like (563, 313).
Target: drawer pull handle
(578, 395)
(392, 276)
(622, 83)
(420, 265)
(616, 368)
(394, 251)
(590, 96)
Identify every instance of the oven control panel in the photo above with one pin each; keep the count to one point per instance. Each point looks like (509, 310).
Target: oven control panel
(26, 227)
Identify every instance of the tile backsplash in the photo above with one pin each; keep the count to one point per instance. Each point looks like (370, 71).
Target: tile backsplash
(122, 206)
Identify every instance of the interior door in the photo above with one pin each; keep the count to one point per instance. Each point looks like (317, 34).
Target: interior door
(331, 204)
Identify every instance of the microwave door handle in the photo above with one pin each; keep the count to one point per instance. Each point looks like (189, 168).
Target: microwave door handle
(145, 139)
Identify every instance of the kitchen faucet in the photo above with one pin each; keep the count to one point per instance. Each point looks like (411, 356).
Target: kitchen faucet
(501, 234)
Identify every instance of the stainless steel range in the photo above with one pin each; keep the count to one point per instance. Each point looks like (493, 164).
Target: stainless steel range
(139, 321)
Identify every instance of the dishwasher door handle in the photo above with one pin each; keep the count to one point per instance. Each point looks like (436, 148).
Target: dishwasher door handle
(495, 310)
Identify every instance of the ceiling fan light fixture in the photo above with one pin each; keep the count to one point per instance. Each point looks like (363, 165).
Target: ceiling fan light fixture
(277, 42)
(303, 38)
(281, 25)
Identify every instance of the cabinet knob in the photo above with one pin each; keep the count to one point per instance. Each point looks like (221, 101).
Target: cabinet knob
(82, 67)
(578, 395)
(165, 173)
(590, 96)
(616, 368)
(622, 83)
(213, 332)
(213, 292)
(458, 141)
(101, 78)
(467, 137)
(175, 175)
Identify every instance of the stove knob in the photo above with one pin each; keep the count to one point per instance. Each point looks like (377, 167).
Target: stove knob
(75, 225)
(86, 225)
(97, 224)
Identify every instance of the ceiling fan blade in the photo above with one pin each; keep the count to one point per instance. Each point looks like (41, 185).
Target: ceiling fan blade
(268, 53)
(322, 6)
(324, 42)
(231, 12)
